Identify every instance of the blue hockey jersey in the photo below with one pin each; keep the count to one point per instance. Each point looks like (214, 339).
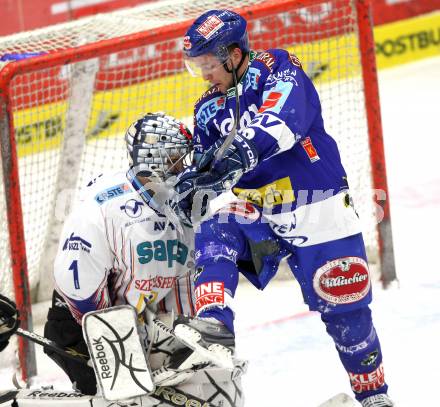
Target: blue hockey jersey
(280, 112)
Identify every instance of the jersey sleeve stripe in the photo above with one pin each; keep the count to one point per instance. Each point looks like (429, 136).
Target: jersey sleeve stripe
(162, 306)
(177, 296)
(189, 292)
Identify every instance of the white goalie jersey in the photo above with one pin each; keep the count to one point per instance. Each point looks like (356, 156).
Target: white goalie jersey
(114, 249)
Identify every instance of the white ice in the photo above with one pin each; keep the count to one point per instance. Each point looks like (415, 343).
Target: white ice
(292, 360)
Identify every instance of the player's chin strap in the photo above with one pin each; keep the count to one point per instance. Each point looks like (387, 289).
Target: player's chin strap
(243, 57)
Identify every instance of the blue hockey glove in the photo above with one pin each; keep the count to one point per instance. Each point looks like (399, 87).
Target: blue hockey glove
(210, 177)
(220, 176)
(194, 190)
(181, 203)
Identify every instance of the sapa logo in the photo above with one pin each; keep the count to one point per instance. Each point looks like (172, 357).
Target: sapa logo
(342, 281)
(210, 294)
(169, 251)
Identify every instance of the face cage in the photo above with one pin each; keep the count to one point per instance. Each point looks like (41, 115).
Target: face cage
(168, 161)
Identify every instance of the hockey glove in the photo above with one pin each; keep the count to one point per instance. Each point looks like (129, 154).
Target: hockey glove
(191, 200)
(182, 201)
(240, 157)
(62, 328)
(219, 176)
(9, 321)
(209, 175)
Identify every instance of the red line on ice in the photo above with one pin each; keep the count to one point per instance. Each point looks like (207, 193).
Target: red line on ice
(280, 320)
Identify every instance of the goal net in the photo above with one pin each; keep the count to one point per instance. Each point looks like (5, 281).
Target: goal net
(66, 103)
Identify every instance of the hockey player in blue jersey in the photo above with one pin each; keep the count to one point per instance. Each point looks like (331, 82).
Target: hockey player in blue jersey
(259, 131)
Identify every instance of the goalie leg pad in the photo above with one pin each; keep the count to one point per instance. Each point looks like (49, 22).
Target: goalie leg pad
(117, 353)
(159, 339)
(209, 339)
(217, 386)
(216, 353)
(187, 362)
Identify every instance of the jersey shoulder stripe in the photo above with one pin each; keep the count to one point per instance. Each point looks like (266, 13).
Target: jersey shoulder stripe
(104, 188)
(214, 90)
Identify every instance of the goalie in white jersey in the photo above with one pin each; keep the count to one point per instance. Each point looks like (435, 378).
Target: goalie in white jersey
(119, 246)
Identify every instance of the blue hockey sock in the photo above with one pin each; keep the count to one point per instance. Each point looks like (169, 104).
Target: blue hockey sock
(359, 350)
(214, 288)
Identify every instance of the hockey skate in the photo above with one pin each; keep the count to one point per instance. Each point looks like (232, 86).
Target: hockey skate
(379, 400)
(209, 339)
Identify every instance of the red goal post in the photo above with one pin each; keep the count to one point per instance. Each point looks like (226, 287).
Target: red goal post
(63, 113)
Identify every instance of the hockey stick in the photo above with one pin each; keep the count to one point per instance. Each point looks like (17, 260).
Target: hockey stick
(163, 394)
(43, 341)
(230, 138)
(84, 359)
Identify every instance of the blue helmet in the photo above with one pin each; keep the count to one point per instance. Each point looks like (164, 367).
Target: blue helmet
(213, 32)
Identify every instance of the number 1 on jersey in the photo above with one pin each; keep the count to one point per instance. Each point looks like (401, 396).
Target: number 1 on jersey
(74, 268)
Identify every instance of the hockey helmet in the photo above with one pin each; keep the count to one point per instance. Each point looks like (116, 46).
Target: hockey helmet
(158, 144)
(213, 32)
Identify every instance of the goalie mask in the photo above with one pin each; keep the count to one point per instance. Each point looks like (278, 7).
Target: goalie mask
(158, 145)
